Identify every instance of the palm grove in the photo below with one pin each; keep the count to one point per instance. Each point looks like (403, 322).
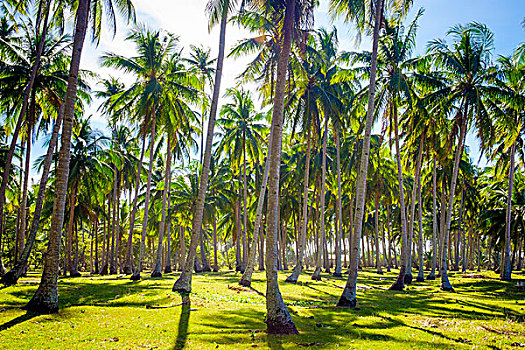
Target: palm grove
(354, 159)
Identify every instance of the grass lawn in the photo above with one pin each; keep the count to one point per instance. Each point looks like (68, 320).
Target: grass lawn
(114, 312)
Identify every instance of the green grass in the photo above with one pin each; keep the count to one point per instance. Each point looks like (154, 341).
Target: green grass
(111, 312)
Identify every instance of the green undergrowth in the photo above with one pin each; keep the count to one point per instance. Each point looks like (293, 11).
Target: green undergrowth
(115, 313)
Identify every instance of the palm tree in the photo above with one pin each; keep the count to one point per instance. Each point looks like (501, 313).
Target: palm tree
(150, 96)
(511, 79)
(45, 299)
(219, 11)
(466, 73)
(241, 140)
(360, 12)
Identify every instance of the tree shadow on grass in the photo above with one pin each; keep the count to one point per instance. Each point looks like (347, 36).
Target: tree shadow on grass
(182, 332)
(17, 320)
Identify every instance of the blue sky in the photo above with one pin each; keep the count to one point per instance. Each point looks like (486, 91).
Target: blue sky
(187, 19)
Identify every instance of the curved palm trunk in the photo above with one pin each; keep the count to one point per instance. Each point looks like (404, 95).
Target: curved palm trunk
(432, 275)
(138, 270)
(445, 283)
(71, 263)
(317, 273)
(43, 10)
(405, 246)
(348, 297)
(376, 218)
(157, 271)
(14, 274)
(245, 211)
(205, 263)
(23, 207)
(278, 319)
(339, 210)
(215, 261)
(507, 265)
(45, 299)
(417, 180)
(128, 265)
(246, 279)
(114, 238)
(183, 283)
(182, 242)
(421, 271)
(304, 216)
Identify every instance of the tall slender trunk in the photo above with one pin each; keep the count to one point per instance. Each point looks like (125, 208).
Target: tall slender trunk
(45, 299)
(421, 272)
(215, 261)
(389, 238)
(445, 283)
(182, 242)
(348, 297)
(113, 262)
(71, 266)
(405, 246)
(376, 218)
(302, 235)
(432, 275)
(507, 266)
(183, 284)
(339, 210)
(138, 270)
(246, 278)
(412, 219)
(14, 274)
(128, 265)
(278, 319)
(42, 11)
(23, 206)
(157, 270)
(245, 207)
(317, 274)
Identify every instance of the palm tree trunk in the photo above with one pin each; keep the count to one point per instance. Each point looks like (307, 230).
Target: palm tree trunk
(112, 265)
(245, 209)
(432, 275)
(136, 273)
(507, 266)
(43, 11)
(405, 246)
(45, 299)
(445, 283)
(246, 278)
(317, 274)
(408, 274)
(376, 217)
(182, 242)
(278, 319)
(215, 261)
(183, 284)
(421, 272)
(339, 212)
(14, 274)
(157, 271)
(23, 205)
(302, 235)
(71, 266)
(348, 297)
(167, 267)
(128, 265)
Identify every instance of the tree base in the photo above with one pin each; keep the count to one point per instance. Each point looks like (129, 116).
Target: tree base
(128, 270)
(43, 304)
(156, 274)
(181, 287)
(345, 302)
(408, 279)
(245, 283)
(397, 286)
(9, 279)
(337, 274)
(431, 277)
(167, 269)
(135, 277)
(420, 279)
(447, 289)
(281, 327)
(316, 277)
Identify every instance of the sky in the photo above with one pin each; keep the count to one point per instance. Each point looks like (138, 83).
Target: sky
(187, 19)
